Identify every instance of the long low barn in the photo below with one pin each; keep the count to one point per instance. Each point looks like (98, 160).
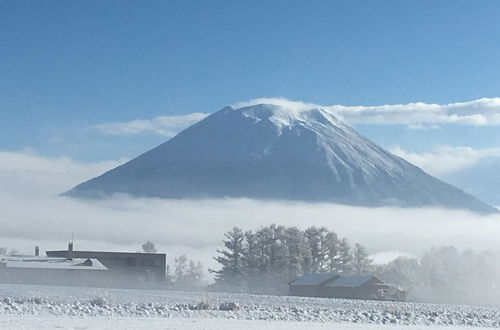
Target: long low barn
(52, 271)
(357, 286)
(86, 268)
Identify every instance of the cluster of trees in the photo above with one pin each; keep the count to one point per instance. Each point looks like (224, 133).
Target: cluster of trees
(265, 260)
(445, 275)
(187, 274)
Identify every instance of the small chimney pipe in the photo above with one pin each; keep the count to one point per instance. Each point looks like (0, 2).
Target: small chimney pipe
(70, 251)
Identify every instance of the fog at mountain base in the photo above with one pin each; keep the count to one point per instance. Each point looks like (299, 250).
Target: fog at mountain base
(34, 214)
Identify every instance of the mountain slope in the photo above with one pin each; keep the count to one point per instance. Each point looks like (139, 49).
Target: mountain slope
(271, 152)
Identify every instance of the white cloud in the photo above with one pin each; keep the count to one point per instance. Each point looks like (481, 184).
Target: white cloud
(446, 159)
(484, 111)
(423, 127)
(35, 215)
(164, 125)
(25, 172)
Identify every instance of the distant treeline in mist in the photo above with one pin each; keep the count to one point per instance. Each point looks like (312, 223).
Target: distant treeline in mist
(265, 260)
(446, 275)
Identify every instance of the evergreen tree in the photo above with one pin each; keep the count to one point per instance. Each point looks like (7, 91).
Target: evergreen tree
(251, 260)
(231, 258)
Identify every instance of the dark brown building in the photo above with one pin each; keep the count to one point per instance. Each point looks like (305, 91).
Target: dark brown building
(357, 286)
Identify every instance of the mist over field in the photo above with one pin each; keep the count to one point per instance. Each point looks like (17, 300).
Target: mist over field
(33, 213)
(301, 164)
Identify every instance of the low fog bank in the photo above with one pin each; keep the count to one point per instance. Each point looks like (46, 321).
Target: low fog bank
(446, 275)
(34, 214)
(197, 227)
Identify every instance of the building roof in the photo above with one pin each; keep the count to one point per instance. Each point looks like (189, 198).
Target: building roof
(350, 280)
(52, 263)
(102, 254)
(314, 279)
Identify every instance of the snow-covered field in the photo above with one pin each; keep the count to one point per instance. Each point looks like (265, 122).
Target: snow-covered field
(43, 307)
(68, 322)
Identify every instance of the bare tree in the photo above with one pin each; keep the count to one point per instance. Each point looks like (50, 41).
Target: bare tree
(360, 262)
(149, 247)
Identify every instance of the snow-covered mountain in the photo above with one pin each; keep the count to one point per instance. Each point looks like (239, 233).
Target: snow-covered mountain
(271, 152)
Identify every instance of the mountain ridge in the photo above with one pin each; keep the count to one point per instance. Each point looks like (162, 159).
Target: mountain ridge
(268, 151)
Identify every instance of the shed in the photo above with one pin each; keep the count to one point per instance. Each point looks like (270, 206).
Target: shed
(310, 285)
(354, 286)
(358, 286)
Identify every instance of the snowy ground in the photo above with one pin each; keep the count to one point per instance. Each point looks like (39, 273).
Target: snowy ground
(42, 307)
(50, 322)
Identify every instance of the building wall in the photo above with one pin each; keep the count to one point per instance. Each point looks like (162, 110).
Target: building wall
(304, 290)
(75, 277)
(54, 276)
(368, 290)
(145, 266)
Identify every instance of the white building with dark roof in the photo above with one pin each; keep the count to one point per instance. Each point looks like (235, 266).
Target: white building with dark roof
(51, 271)
(86, 268)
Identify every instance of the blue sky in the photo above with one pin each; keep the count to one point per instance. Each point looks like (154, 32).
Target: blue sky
(67, 66)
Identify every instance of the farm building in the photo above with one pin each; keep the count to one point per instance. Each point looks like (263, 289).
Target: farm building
(147, 267)
(310, 285)
(356, 286)
(51, 271)
(86, 268)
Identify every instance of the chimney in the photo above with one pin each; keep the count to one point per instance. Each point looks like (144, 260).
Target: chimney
(37, 251)
(70, 251)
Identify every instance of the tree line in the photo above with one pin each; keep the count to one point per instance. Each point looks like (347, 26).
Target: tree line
(446, 275)
(265, 260)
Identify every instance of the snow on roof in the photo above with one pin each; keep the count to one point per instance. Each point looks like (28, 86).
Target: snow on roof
(313, 279)
(350, 280)
(52, 263)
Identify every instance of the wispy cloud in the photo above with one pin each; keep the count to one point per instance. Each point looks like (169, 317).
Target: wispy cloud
(484, 111)
(481, 112)
(447, 159)
(163, 125)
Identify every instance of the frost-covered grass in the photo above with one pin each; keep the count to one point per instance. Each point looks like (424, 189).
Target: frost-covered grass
(43, 301)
